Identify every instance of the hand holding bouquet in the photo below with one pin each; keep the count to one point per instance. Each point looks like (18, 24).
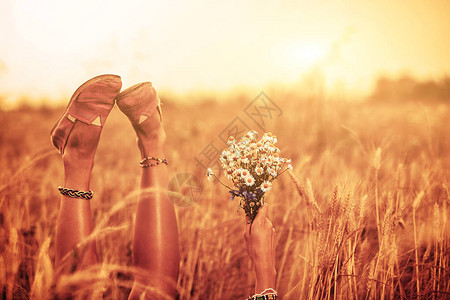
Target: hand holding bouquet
(252, 166)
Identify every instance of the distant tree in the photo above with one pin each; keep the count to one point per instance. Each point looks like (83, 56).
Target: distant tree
(407, 88)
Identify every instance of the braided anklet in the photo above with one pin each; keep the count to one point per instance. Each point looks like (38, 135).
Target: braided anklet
(269, 296)
(75, 193)
(143, 164)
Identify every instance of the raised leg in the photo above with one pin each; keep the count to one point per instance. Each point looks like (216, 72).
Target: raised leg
(74, 222)
(155, 243)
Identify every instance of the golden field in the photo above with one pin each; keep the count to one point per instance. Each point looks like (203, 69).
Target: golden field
(354, 163)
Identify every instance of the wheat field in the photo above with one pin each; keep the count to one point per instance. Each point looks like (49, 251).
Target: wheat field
(363, 215)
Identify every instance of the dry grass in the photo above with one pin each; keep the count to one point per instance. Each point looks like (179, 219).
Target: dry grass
(363, 214)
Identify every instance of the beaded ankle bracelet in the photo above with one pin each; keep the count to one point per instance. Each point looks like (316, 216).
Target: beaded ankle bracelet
(269, 296)
(75, 193)
(264, 297)
(158, 161)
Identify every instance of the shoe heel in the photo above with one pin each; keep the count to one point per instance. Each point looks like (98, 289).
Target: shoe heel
(60, 134)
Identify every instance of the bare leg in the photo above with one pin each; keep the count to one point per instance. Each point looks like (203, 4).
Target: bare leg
(155, 244)
(74, 219)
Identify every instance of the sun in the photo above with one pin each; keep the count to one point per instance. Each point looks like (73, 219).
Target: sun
(305, 54)
(311, 53)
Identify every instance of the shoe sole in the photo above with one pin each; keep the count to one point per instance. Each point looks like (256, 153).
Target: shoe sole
(139, 105)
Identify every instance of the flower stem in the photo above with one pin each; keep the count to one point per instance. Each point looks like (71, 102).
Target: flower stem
(221, 182)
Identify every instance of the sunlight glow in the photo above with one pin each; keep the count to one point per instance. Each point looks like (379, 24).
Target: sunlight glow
(307, 54)
(49, 46)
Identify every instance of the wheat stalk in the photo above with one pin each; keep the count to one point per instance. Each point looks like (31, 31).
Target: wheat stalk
(415, 205)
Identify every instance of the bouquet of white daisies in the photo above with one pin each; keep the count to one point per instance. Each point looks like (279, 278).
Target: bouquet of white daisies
(252, 166)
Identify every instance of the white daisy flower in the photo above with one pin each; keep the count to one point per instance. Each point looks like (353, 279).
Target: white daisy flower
(245, 173)
(209, 173)
(272, 172)
(237, 172)
(259, 170)
(266, 186)
(249, 180)
(244, 141)
(230, 141)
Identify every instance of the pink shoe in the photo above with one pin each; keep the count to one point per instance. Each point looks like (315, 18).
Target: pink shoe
(139, 102)
(90, 104)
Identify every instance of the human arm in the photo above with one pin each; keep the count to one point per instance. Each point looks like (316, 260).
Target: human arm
(260, 239)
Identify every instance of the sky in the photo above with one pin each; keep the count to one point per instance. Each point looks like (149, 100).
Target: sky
(49, 47)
